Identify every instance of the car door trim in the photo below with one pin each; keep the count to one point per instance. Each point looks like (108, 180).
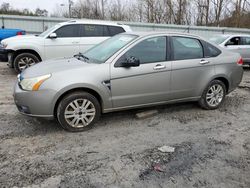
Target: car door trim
(150, 104)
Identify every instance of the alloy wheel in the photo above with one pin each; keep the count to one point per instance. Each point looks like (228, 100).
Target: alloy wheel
(25, 62)
(80, 113)
(215, 95)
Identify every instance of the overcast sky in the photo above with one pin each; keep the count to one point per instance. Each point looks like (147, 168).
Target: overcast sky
(49, 5)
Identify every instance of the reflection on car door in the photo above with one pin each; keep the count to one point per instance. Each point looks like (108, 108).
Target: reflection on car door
(66, 44)
(147, 83)
(190, 70)
(91, 35)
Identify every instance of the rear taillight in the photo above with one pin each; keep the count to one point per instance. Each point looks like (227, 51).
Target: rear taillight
(240, 61)
(20, 33)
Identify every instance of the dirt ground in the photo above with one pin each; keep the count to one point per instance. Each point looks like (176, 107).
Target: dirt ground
(212, 148)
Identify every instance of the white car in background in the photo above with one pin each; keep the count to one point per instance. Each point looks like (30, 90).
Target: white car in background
(63, 40)
(236, 43)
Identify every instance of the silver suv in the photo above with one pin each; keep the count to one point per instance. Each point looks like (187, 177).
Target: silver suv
(127, 71)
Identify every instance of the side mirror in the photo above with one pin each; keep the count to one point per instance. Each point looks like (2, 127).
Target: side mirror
(131, 62)
(53, 36)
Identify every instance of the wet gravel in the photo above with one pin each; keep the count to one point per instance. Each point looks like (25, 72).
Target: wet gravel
(212, 148)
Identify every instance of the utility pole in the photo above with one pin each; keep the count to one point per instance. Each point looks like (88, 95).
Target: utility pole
(70, 4)
(103, 9)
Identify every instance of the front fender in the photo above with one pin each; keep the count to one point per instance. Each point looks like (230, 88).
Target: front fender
(38, 48)
(104, 93)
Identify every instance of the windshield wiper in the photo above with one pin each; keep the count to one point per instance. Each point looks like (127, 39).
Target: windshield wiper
(80, 56)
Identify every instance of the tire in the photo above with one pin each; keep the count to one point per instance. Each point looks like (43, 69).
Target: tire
(76, 119)
(210, 100)
(24, 60)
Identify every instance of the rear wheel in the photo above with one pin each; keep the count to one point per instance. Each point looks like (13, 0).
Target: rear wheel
(78, 111)
(214, 95)
(24, 60)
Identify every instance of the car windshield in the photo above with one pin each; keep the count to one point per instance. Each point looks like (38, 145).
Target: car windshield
(48, 31)
(101, 52)
(218, 39)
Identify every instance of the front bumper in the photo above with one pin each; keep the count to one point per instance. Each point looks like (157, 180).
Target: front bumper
(3, 54)
(34, 103)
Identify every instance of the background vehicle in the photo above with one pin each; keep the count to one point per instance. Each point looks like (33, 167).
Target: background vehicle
(236, 43)
(128, 71)
(7, 33)
(63, 40)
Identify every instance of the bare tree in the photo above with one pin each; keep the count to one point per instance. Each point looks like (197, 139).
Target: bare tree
(218, 7)
(189, 12)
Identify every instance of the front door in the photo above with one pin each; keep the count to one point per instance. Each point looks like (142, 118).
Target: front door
(240, 45)
(66, 44)
(147, 83)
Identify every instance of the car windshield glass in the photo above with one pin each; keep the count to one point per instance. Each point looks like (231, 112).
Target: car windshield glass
(48, 31)
(101, 52)
(218, 39)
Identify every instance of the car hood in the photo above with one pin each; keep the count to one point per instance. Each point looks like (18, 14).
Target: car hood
(53, 66)
(20, 38)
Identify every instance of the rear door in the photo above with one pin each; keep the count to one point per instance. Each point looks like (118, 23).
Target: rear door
(91, 35)
(191, 70)
(66, 44)
(147, 83)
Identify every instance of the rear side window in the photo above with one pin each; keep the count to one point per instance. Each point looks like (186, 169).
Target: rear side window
(186, 48)
(68, 31)
(114, 30)
(210, 50)
(245, 41)
(90, 30)
(149, 50)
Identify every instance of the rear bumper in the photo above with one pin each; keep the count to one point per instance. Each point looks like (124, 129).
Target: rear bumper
(236, 77)
(34, 103)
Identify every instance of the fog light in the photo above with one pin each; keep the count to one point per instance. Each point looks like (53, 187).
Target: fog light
(24, 109)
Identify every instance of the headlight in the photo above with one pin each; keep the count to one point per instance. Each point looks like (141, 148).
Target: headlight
(3, 45)
(32, 84)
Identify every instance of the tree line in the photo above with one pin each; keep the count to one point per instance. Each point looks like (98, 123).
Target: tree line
(5, 8)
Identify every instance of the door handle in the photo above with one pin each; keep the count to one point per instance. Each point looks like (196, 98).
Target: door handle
(75, 42)
(203, 62)
(159, 67)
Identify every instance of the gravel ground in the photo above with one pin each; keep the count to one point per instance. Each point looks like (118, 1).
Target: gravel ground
(212, 148)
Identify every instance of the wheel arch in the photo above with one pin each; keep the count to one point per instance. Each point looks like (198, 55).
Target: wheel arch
(222, 78)
(80, 89)
(20, 51)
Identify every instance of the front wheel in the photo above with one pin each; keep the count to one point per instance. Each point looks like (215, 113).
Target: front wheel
(213, 96)
(78, 111)
(24, 60)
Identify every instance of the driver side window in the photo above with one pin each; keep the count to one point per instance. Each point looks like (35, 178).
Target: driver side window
(68, 31)
(148, 51)
(233, 41)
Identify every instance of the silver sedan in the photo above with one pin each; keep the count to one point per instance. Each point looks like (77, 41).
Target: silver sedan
(128, 71)
(235, 43)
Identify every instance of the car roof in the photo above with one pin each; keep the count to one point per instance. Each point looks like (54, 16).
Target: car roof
(88, 21)
(152, 33)
(233, 35)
